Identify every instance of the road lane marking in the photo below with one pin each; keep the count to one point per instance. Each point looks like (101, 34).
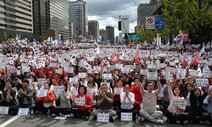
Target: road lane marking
(9, 121)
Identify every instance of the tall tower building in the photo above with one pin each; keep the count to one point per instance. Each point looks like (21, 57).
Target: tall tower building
(104, 34)
(51, 14)
(41, 16)
(110, 31)
(93, 28)
(16, 17)
(78, 18)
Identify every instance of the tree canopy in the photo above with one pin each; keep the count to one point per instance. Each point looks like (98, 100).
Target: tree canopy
(192, 16)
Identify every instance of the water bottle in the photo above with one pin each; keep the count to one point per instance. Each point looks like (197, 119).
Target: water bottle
(32, 113)
(48, 113)
(136, 118)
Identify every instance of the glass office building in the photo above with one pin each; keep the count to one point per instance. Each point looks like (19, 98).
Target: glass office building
(78, 18)
(51, 14)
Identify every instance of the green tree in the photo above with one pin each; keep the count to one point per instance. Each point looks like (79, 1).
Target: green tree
(5, 38)
(192, 16)
(149, 35)
(40, 38)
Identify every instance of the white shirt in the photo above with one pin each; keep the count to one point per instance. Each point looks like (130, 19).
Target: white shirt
(126, 103)
(74, 91)
(188, 103)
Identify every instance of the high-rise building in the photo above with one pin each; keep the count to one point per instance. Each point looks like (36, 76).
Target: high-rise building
(51, 14)
(41, 16)
(104, 34)
(144, 10)
(16, 17)
(78, 18)
(110, 31)
(93, 28)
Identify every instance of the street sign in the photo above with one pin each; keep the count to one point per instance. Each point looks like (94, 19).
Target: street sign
(150, 22)
(134, 36)
(159, 22)
(154, 22)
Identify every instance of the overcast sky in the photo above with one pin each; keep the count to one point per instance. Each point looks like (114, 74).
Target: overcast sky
(107, 12)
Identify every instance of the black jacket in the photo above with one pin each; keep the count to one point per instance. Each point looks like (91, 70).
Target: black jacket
(196, 103)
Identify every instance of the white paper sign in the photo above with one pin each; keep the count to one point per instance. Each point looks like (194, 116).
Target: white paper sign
(74, 80)
(2, 65)
(107, 76)
(131, 67)
(4, 110)
(80, 101)
(201, 82)
(82, 75)
(54, 65)
(97, 68)
(69, 69)
(90, 70)
(178, 102)
(152, 75)
(192, 72)
(102, 117)
(41, 93)
(206, 74)
(59, 71)
(41, 81)
(23, 111)
(25, 69)
(58, 89)
(118, 90)
(168, 76)
(125, 70)
(181, 72)
(172, 63)
(90, 59)
(144, 71)
(119, 66)
(126, 116)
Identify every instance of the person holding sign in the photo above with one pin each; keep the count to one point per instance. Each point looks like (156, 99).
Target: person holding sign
(127, 100)
(34, 83)
(26, 96)
(136, 89)
(196, 112)
(105, 103)
(91, 90)
(65, 105)
(117, 90)
(177, 106)
(74, 90)
(8, 97)
(150, 95)
(83, 104)
(45, 103)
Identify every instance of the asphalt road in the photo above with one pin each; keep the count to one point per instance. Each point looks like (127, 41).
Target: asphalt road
(43, 121)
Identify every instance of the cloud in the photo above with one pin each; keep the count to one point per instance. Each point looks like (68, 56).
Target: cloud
(107, 12)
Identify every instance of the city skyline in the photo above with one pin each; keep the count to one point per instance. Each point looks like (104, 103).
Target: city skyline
(107, 12)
